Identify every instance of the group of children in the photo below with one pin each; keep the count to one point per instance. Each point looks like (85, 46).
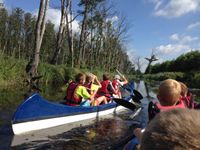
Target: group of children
(171, 128)
(171, 124)
(87, 90)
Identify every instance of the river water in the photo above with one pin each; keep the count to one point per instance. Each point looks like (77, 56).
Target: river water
(110, 132)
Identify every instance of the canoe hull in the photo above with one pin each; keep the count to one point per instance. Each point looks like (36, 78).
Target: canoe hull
(36, 113)
(20, 128)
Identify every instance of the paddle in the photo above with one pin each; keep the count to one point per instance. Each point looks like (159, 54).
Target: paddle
(120, 73)
(137, 94)
(135, 98)
(126, 104)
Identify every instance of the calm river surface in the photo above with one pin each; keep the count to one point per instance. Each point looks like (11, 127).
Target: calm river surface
(110, 132)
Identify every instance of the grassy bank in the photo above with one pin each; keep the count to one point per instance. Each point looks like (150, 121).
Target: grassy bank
(12, 73)
(192, 79)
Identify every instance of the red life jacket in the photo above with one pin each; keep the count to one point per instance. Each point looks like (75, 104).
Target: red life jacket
(104, 89)
(116, 87)
(71, 98)
(188, 101)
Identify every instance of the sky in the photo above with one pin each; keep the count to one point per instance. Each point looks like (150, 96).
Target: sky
(169, 28)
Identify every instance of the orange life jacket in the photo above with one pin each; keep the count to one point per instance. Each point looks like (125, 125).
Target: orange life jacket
(71, 98)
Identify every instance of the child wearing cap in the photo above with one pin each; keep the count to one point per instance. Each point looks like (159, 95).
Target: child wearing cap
(117, 83)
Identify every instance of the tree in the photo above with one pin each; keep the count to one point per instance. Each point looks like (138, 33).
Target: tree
(14, 40)
(49, 43)
(3, 29)
(150, 60)
(89, 5)
(39, 32)
(60, 34)
(28, 34)
(138, 63)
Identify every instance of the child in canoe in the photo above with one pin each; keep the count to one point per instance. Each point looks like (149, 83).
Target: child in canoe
(169, 94)
(169, 97)
(92, 84)
(117, 83)
(175, 129)
(188, 98)
(107, 88)
(77, 93)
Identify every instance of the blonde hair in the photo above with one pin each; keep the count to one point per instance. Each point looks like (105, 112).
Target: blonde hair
(169, 92)
(89, 77)
(175, 129)
(184, 89)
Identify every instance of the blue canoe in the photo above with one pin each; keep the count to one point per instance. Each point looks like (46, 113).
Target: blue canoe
(36, 113)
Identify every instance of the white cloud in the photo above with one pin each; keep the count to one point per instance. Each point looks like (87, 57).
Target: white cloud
(174, 37)
(75, 26)
(188, 39)
(175, 8)
(181, 44)
(193, 25)
(182, 38)
(54, 16)
(171, 49)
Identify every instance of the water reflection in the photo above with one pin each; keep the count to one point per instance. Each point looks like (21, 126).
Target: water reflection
(146, 89)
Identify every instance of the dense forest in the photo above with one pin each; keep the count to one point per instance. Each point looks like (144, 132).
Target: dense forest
(185, 63)
(185, 68)
(99, 43)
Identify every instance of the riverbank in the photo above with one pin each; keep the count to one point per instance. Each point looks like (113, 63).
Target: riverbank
(192, 79)
(13, 74)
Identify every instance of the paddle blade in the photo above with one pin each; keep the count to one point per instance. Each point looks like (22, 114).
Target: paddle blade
(136, 99)
(138, 94)
(126, 104)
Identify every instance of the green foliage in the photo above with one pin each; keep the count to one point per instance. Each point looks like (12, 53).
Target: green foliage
(184, 63)
(11, 70)
(195, 81)
(105, 50)
(165, 75)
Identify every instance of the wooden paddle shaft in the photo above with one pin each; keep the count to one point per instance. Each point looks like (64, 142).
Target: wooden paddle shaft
(119, 73)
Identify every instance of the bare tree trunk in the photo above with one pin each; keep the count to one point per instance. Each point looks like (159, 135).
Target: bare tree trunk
(83, 34)
(69, 21)
(39, 32)
(150, 60)
(60, 34)
(71, 31)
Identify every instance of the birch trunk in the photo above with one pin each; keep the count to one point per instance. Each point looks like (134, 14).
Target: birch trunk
(60, 34)
(39, 32)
